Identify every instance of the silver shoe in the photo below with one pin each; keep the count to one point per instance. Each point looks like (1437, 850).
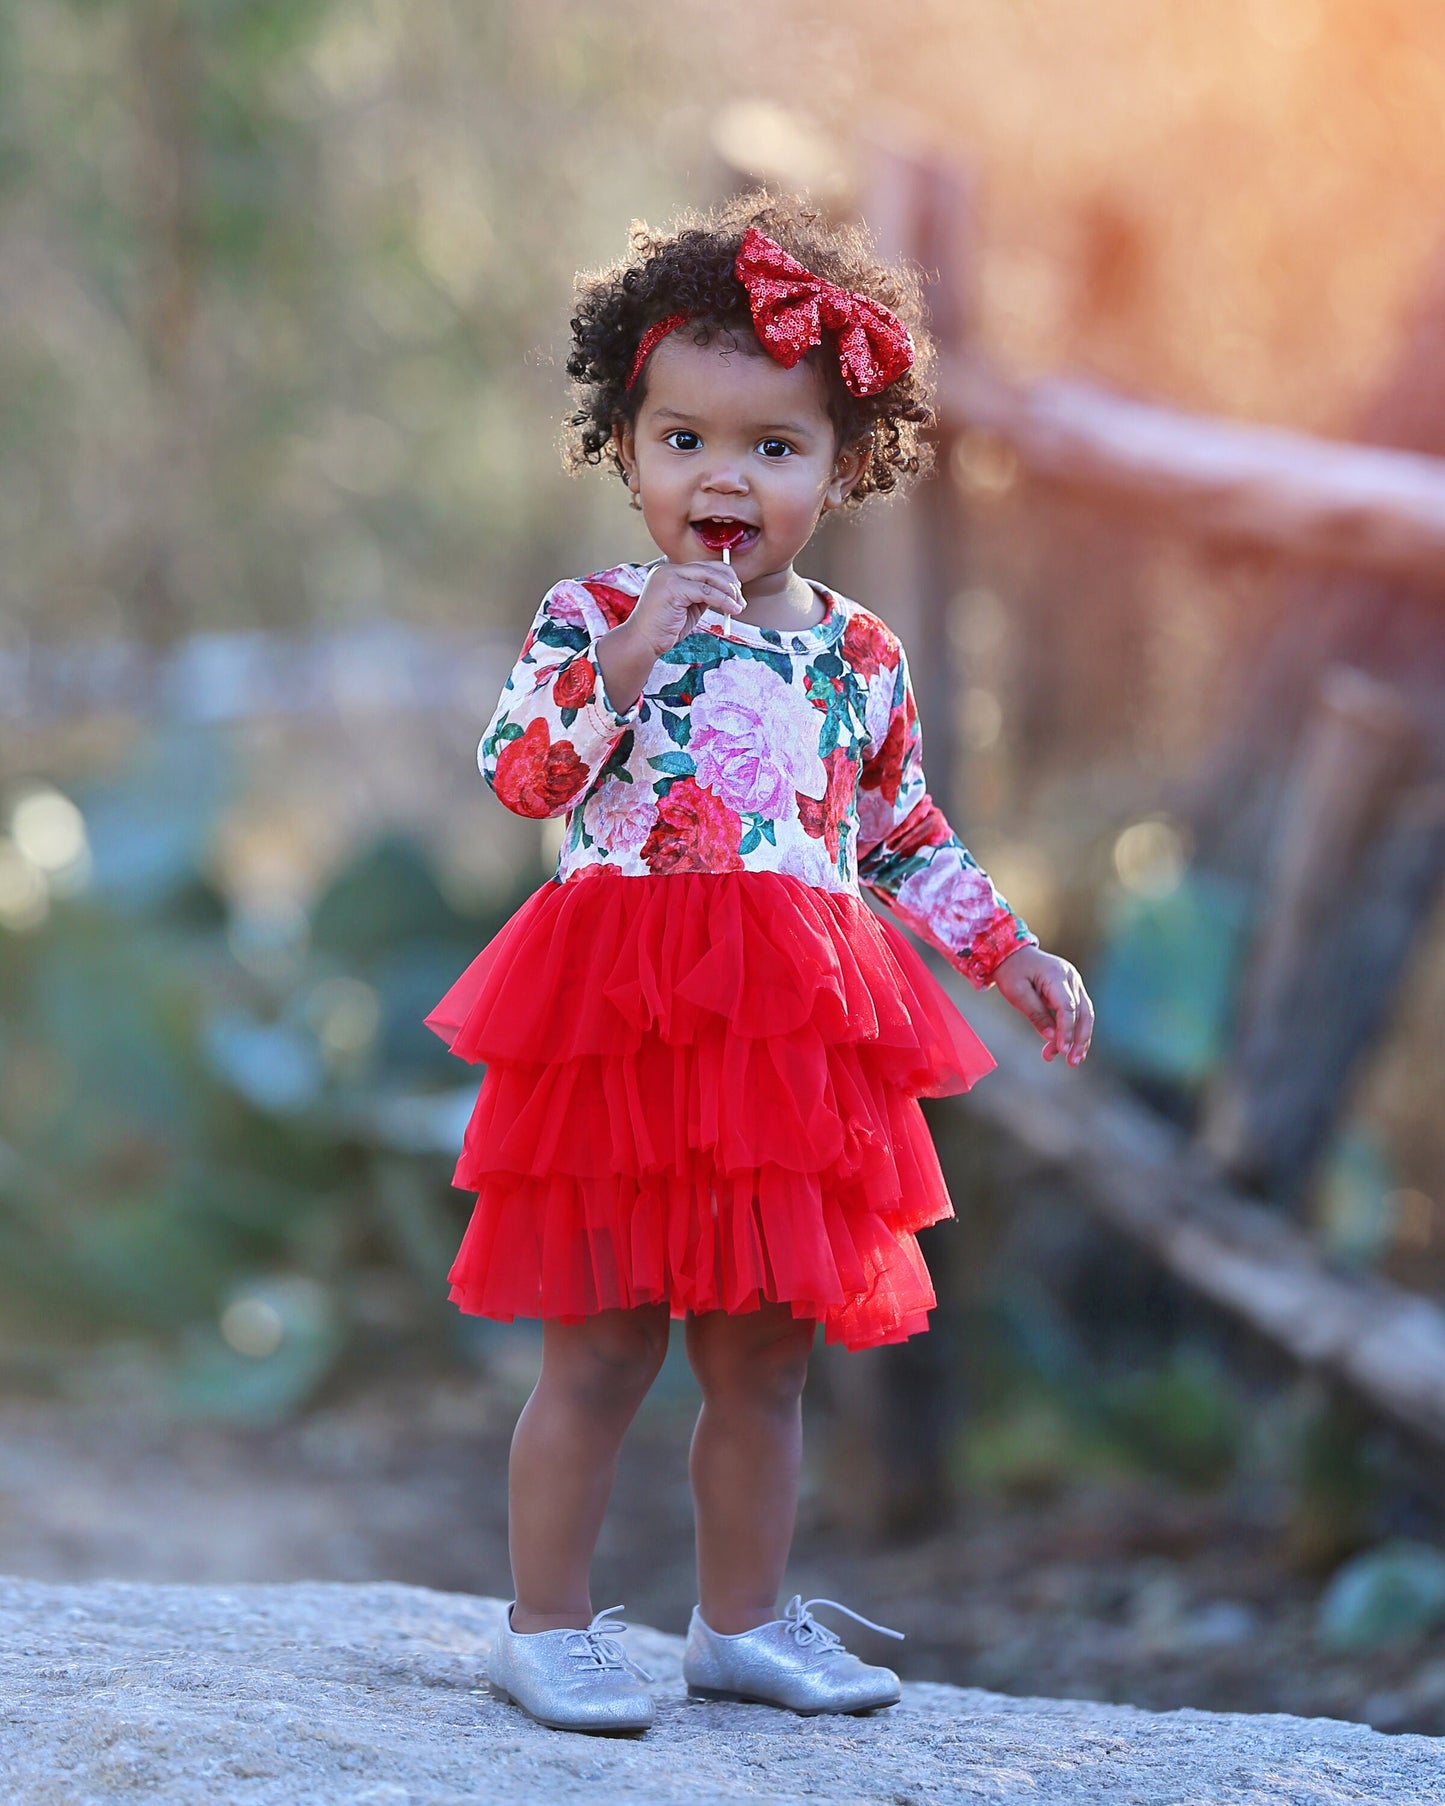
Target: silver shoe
(793, 1661)
(572, 1680)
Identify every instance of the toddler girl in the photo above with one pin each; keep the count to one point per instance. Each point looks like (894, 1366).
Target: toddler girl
(703, 1050)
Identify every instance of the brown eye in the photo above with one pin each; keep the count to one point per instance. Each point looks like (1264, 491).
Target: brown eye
(775, 449)
(682, 432)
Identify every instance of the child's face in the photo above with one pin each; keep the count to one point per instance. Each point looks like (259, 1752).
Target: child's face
(728, 434)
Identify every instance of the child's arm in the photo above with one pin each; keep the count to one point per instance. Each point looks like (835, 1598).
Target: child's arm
(553, 729)
(911, 859)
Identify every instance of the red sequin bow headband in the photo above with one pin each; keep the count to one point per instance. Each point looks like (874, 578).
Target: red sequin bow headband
(792, 307)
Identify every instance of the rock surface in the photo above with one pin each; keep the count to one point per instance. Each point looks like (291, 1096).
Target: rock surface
(375, 1696)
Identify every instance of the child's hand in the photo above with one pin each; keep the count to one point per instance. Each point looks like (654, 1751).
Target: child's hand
(1049, 991)
(676, 596)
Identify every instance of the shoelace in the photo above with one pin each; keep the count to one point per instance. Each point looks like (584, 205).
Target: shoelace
(811, 1634)
(598, 1645)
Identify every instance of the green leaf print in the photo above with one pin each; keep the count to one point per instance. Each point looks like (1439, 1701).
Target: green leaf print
(561, 636)
(700, 650)
(677, 764)
(760, 829)
(829, 681)
(777, 661)
(508, 730)
(616, 764)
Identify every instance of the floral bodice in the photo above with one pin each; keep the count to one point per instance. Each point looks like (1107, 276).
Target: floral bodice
(770, 750)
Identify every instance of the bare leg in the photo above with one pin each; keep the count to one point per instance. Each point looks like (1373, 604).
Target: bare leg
(746, 1455)
(594, 1376)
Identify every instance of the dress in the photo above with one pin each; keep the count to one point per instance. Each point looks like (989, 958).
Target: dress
(703, 1049)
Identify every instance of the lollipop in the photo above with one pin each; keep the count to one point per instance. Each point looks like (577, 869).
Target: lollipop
(726, 535)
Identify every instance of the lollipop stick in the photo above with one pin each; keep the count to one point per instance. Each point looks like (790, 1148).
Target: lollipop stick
(727, 560)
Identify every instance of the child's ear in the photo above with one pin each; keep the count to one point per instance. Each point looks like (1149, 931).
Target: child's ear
(624, 443)
(852, 461)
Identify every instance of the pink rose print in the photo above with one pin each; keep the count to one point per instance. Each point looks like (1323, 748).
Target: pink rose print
(957, 901)
(751, 742)
(565, 607)
(620, 816)
(875, 818)
(879, 707)
(799, 857)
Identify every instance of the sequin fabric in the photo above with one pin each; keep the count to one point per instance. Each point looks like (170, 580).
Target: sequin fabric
(791, 309)
(649, 339)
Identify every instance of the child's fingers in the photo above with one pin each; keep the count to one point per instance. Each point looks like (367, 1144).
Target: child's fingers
(1035, 1006)
(1064, 1016)
(1083, 1029)
(1074, 1019)
(720, 577)
(700, 585)
(724, 598)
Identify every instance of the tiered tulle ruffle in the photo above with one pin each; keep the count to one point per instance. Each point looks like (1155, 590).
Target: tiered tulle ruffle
(701, 1088)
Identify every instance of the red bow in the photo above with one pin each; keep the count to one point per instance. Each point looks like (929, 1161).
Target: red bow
(791, 307)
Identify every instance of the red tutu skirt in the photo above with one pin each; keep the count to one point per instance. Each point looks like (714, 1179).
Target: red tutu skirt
(701, 1089)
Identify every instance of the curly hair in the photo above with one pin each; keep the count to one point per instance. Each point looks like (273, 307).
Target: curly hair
(690, 270)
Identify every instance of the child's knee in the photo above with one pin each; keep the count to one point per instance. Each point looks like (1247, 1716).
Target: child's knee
(611, 1358)
(750, 1361)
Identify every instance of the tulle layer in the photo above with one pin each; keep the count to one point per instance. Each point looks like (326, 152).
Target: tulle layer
(701, 1089)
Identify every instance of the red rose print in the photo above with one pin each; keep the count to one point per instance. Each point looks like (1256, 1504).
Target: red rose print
(925, 825)
(616, 604)
(884, 771)
(527, 643)
(575, 684)
(992, 945)
(820, 817)
(695, 831)
(868, 645)
(534, 776)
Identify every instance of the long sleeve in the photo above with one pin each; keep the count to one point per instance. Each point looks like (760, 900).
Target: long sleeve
(908, 855)
(553, 729)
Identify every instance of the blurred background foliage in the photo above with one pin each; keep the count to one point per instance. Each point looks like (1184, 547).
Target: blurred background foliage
(283, 304)
(194, 1097)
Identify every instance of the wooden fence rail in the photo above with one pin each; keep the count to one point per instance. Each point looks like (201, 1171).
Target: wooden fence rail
(1317, 501)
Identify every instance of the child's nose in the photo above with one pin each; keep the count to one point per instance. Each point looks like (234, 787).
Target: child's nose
(727, 477)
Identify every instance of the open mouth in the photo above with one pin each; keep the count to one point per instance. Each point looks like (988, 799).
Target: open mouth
(719, 530)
